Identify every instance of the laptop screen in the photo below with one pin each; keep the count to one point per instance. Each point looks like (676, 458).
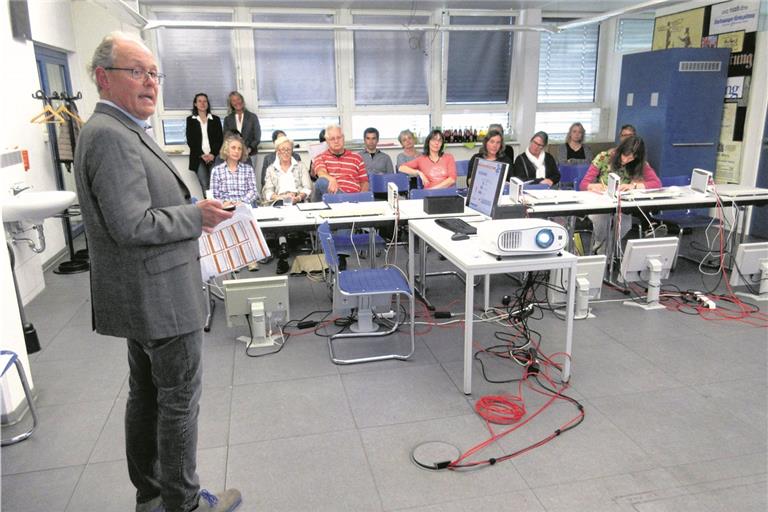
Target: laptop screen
(700, 180)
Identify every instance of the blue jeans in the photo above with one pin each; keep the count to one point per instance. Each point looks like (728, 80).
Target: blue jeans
(165, 383)
(321, 187)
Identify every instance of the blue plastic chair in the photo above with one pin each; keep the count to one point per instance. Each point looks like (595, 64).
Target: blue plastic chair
(347, 241)
(363, 290)
(462, 167)
(379, 182)
(571, 175)
(421, 193)
(689, 219)
(9, 358)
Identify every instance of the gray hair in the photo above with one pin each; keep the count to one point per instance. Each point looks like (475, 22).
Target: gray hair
(403, 134)
(333, 127)
(104, 54)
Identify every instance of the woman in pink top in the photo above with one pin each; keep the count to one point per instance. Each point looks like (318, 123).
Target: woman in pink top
(435, 168)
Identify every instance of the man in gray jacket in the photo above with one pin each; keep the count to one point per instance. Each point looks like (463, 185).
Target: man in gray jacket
(145, 276)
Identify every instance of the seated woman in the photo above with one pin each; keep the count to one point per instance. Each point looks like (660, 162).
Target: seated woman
(288, 180)
(574, 151)
(233, 180)
(628, 161)
(269, 158)
(435, 168)
(535, 165)
(408, 141)
(493, 149)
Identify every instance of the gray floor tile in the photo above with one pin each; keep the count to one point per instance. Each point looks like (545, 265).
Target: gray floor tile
(80, 342)
(305, 356)
(289, 408)
(402, 484)
(727, 468)
(40, 491)
(325, 472)
(594, 449)
(679, 426)
(402, 394)
(737, 495)
(84, 380)
(743, 399)
(65, 437)
(106, 485)
(608, 494)
(523, 500)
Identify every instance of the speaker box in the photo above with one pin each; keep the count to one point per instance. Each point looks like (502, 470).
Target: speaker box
(20, 27)
(443, 204)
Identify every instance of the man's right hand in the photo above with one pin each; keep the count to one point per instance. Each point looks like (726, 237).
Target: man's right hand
(212, 213)
(333, 185)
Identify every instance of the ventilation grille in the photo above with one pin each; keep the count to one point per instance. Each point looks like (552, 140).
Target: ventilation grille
(9, 159)
(510, 240)
(699, 65)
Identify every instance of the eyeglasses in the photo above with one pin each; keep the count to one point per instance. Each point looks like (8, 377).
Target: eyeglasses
(537, 144)
(284, 150)
(140, 75)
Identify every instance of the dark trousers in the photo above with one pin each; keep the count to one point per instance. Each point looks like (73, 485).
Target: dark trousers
(165, 382)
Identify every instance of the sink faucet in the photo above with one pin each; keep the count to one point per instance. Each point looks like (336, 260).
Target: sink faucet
(18, 188)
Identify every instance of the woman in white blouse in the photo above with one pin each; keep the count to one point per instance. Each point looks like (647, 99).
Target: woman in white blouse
(286, 178)
(204, 138)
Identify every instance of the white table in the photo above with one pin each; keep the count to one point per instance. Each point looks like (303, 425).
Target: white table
(470, 260)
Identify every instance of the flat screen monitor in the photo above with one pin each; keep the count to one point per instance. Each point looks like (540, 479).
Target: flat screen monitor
(748, 264)
(487, 181)
(700, 180)
(272, 292)
(638, 254)
(590, 268)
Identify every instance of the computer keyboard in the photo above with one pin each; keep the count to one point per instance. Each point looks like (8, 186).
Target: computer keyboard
(457, 226)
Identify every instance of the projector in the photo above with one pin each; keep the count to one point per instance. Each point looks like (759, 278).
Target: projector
(521, 237)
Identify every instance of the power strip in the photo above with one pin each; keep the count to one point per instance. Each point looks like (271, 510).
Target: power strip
(704, 300)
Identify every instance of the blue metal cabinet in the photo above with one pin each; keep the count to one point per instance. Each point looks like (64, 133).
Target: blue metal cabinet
(682, 129)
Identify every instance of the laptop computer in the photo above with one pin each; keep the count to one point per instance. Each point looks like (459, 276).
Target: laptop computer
(738, 191)
(541, 197)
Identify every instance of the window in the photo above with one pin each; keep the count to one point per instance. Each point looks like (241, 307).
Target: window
(189, 70)
(568, 65)
(391, 68)
(556, 124)
(479, 62)
(174, 132)
(298, 127)
(634, 35)
(476, 120)
(390, 125)
(295, 68)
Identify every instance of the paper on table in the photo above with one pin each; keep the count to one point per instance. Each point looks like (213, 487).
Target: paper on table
(234, 244)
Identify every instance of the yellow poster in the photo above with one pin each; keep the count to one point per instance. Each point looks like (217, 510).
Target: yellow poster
(728, 151)
(679, 30)
(732, 40)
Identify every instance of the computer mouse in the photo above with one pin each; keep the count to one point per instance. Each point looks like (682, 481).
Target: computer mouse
(459, 236)
(673, 188)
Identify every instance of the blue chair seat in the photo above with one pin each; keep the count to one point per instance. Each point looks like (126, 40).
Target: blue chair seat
(373, 280)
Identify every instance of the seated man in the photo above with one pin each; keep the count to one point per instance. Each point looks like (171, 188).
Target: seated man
(337, 168)
(376, 162)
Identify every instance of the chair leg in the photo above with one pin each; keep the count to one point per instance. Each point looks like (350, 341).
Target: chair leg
(28, 394)
(384, 357)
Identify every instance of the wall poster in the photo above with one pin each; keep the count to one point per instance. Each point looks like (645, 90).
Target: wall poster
(679, 30)
(733, 16)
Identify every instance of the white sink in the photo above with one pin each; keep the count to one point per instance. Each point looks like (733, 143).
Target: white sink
(30, 206)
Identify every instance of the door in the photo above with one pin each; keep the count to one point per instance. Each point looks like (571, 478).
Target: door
(53, 71)
(759, 223)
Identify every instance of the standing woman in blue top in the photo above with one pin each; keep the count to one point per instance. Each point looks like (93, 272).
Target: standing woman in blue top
(204, 138)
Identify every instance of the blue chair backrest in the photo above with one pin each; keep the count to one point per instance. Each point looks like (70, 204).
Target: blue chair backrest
(572, 174)
(379, 182)
(421, 193)
(462, 167)
(355, 197)
(326, 242)
(536, 186)
(682, 180)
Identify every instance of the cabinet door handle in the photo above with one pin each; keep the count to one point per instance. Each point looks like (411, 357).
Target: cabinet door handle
(692, 144)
